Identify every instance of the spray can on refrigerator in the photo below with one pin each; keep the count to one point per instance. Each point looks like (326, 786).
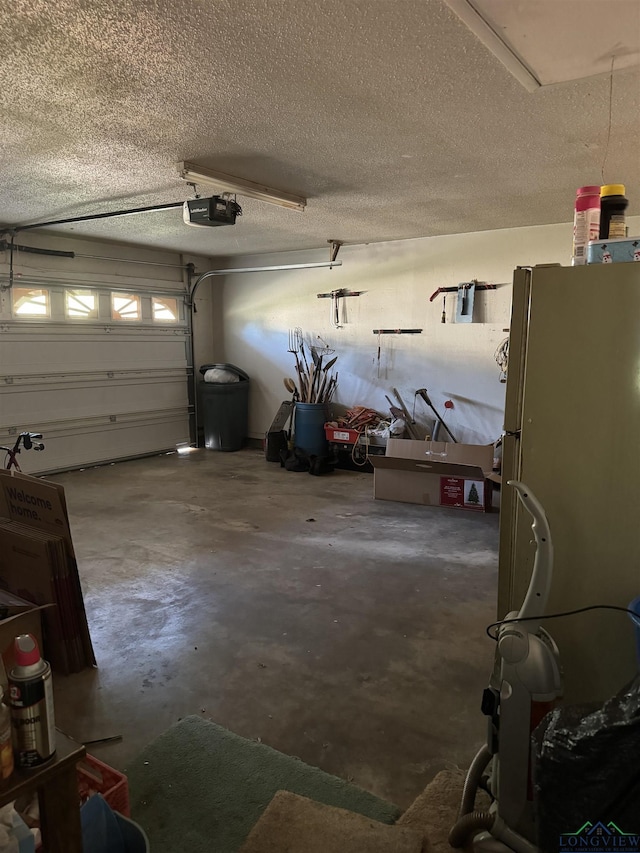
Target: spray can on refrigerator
(586, 222)
(31, 697)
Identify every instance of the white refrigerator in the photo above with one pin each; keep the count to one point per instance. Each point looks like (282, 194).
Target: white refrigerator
(572, 434)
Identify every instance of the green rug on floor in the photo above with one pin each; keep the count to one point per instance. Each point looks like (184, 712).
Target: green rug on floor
(199, 788)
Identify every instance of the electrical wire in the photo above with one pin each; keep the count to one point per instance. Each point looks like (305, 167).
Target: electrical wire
(501, 356)
(366, 449)
(606, 147)
(558, 615)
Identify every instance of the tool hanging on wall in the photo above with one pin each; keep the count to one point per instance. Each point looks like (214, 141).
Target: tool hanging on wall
(465, 296)
(335, 296)
(464, 303)
(335, 309)
(479, 286)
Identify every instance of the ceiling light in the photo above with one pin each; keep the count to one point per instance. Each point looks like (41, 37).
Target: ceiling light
(195, 174)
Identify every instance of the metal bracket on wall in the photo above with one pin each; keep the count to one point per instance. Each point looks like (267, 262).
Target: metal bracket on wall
(334, 248)
(397, 331)
(457, 288)
(342, 292)
(335, 296)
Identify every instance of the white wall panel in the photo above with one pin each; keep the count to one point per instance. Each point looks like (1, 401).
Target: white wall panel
(453, 361)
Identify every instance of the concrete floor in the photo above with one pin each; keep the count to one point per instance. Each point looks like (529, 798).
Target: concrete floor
(290, 608)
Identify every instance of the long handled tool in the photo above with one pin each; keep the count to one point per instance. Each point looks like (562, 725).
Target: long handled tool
(292, 388)
(314, 382)
(408, 420)
(422, 392)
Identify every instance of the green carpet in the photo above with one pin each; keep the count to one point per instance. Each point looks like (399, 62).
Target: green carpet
(199, 788)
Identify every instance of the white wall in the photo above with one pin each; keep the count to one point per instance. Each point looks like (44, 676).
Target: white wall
(452, 361)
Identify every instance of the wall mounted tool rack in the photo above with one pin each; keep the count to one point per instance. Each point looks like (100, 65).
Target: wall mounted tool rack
(340, 293)
(459, 286)
(397, 331)
(335, 296)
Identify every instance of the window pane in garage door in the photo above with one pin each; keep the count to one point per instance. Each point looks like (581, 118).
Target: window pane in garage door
(28, 302)
(82, 304)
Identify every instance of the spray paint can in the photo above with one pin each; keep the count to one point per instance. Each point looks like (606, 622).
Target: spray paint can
(586, 222)
(31, 697)
(6, 741)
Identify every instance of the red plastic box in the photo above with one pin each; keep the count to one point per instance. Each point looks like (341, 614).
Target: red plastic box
(341, 434)
(96, 777)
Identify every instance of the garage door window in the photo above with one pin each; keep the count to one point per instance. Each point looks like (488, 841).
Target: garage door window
(81, 304)
(125, 306)
(164, 309)
(30, 303)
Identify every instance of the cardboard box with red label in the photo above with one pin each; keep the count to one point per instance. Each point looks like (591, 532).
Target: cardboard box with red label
(435, 473)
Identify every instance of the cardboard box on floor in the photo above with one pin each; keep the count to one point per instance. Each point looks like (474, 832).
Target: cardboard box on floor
(434, 473)
(37, 562)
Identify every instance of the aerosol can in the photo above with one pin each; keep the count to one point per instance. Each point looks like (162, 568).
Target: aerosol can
(31, 697)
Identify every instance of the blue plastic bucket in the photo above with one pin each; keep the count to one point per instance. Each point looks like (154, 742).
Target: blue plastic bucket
(635, 606)
(309, 428)
(106, 831)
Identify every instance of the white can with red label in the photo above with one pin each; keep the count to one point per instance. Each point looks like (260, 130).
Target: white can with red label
(31, 700)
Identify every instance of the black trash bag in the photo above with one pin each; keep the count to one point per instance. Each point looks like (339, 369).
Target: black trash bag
(298, 460)
(587, 776)
(294, 460)
(319, 465)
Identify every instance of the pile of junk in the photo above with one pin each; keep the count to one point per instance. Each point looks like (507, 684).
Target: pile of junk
(303, 426)
(305, 436)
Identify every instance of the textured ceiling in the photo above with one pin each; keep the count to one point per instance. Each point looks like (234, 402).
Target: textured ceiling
(388, 115)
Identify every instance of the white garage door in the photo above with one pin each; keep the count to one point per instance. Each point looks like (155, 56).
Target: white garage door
(101, 372)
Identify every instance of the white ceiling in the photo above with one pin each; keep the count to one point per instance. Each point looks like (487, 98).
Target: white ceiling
(389, 116)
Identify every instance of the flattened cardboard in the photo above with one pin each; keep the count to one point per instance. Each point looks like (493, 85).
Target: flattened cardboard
(434, 473)
(41, 506)
(26, 570)
(37, 503)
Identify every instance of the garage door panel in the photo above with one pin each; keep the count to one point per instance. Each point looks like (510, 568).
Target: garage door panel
(38, 402)
(35, 353)
(98, 389)
(106, 443)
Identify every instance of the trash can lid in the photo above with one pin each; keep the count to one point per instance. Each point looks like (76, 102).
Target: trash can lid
(231, 367)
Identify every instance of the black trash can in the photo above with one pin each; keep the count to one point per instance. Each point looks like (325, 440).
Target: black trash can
(224, 408)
